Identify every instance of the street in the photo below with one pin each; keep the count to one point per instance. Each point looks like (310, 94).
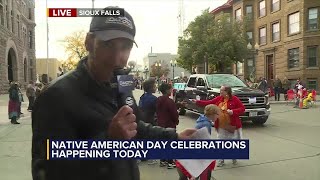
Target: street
(286, 147)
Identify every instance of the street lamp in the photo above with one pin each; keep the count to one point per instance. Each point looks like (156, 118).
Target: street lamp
(252, 62)
(146, 72)
(173, 64)
(158, 66)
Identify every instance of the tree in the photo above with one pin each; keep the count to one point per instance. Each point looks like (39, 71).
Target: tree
(68, 65)
(222, 42)
(75, 48)
(159, 71)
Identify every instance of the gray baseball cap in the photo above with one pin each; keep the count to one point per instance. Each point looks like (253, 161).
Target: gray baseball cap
(107, 28)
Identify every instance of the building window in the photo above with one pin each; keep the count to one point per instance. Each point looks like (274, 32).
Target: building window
(249, 34)
(249, 13)
(31, 74)
(239, 68)
(294, 23)
(238, 14)
(263, 35)
(312, 84)
(1, 13)
(7, 13)
(313, 19)
(25, 70)
(312, 56)
(18, 25)
(293, 58)
(275, 32)
(30, 14)
(30, 63)
(30, 39)
(12, 22)
(262, 8)
(275, 5)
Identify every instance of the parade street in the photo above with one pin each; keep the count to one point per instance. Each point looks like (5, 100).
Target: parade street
(287, 147)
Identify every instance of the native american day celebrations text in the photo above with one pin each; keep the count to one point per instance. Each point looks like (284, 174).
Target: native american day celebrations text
(152, 149)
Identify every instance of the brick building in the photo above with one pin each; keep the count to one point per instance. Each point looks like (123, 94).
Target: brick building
(284, 36)
(17, 42)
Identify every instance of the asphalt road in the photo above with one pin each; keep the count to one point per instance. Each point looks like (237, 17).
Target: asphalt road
(285, 148)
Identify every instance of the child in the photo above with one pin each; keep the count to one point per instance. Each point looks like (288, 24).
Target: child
(148, 101)
(307, 99)
(147, 105)
(211, 113)
(167, 115)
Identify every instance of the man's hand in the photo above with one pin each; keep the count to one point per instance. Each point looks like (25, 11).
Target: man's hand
(123, 124)
(186, 134)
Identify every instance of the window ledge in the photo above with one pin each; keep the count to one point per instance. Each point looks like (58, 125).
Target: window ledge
(312, 68)
(260, 17)
(261, 45)
(275, 11)
(294, 69)
(293, 34)
(312, 30)
(276, 41)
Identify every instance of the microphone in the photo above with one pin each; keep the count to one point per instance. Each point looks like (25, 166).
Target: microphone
(125, 86)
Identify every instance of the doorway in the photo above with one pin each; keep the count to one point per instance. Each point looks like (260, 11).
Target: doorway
(12, 65)
(270, 69)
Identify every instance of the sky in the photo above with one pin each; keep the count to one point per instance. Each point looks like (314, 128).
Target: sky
(156, 21)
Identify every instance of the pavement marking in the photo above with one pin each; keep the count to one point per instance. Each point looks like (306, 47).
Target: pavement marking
(269, 162)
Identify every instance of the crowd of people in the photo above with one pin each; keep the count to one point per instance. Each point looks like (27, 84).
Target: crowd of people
(278, 87)
(222, 113)
(16, 98)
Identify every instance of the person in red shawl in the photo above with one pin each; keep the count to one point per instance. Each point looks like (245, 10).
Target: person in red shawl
(13, 105)
(228, 125)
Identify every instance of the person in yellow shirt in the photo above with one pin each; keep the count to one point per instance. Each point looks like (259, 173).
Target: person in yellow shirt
(307, 99)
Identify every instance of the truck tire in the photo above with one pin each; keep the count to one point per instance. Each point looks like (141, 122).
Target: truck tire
(260, 121)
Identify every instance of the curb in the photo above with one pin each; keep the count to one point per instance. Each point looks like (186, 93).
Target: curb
(285, 102)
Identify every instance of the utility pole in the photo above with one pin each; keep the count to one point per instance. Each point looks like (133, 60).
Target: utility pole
(181, 18)
(47, 43)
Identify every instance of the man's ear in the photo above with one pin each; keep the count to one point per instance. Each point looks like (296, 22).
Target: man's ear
(89, 42)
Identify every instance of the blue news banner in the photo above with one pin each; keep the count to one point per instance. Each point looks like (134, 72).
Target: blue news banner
(149, 149)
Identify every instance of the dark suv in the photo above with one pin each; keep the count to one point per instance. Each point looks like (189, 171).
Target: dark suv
(207, 86)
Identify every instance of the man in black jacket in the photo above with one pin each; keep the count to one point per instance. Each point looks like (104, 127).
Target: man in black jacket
(82, 105)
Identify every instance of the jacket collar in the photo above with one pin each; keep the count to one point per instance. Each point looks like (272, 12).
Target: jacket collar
(91, 87)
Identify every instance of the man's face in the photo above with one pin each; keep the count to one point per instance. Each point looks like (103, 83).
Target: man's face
(109, 55)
